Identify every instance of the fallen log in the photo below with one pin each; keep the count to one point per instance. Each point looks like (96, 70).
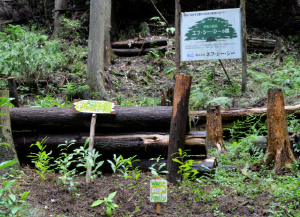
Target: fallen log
(261, 41)
(63, 120)
(139, 43)
(206, 165)
(138, 51)
(130, 143)
(234, 114)
(261, 50)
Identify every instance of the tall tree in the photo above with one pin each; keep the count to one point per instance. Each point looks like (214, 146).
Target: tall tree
(59, 4)
(7, 153)
(108, 49)
(96, 48)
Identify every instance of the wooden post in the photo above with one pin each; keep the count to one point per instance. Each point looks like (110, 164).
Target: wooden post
(158, 204)
(178, 123)
(7, 153)
(244, 46)
(278, 50)
(279, 150)
(214, 131)
(163, 98)
(170, 96)
(13, 92)
(91, 147)
(177, 34)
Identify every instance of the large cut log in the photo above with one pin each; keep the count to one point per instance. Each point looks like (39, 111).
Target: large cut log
(139, 43)
(138, 51)
(127, 119)
(234, 114)
(129, 144)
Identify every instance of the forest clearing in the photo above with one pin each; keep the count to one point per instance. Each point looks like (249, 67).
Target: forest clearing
(100, 117)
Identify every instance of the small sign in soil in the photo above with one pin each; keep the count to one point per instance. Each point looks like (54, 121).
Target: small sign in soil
(158, 190)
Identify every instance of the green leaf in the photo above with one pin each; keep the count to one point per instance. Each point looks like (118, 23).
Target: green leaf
(24, 195)
(97, 203)
(177, 161)
(111, 196)
(108, 210)
(15, 209)
(12, 197)
(7, 164)
(5, 144)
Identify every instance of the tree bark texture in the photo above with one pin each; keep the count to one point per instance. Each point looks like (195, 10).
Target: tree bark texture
(178, 123)
(278, 50)
(108, 49)
(163, 101)
(177, 34)
(7, 153)
(91, 147)
(214, 131)
(13, 92)
(63, 120)
(150, 144)
(96, 48)
(244, 45)
(278, 151)
(59, 4)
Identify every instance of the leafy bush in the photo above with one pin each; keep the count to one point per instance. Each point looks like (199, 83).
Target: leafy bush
(23, 52)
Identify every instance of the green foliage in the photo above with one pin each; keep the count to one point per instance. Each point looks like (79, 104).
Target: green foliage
(123, 165)
(41, 159)
(48, 101)
(88, 159)
(144, 28)
(157, 20)
(74, 90)
(63, 163)
(23, 52)
(108, 203)
(222, 101)
(185, 168)
(157, 171)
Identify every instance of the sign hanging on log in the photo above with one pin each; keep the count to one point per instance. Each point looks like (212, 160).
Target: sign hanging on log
(94, 106)
(208, 35)
(158, 190)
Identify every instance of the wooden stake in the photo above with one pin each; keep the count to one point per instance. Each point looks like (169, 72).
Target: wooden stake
(214, 131)
(91, 147)
(178, 124)
(278, 50)
(177, 34)
(158, 204)
(244, 46)
(225, 72)
(13, 92)
(163, 98)
(279, 151)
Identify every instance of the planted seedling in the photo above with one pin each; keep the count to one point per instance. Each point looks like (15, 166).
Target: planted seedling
(108, 203)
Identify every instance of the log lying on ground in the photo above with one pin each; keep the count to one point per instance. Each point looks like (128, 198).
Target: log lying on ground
(203, 166)
(261, 45)
(138, 51)
(127, 119)
(135, 43)
(142, 144)
(234, 114)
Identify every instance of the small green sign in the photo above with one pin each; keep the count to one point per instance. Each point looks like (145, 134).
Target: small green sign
(93, 106)
(158, 190)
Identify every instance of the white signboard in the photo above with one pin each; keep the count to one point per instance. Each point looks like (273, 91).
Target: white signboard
(208, 35)
(158, 190)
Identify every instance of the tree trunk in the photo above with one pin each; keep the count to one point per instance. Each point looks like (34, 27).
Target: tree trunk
(96, 49)
(127, 119)
(278, 151)
(178, 124)
(7, 153)
(13, 92)
(59, 4)
(214, 131)
(108, 50)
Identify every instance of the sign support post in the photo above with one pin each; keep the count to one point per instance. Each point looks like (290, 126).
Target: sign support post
(244, 46)
(91, 147)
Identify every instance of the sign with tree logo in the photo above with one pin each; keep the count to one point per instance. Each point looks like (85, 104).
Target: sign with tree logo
(207, 35)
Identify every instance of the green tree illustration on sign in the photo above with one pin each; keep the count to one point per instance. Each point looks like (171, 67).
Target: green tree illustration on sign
(210, 29)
